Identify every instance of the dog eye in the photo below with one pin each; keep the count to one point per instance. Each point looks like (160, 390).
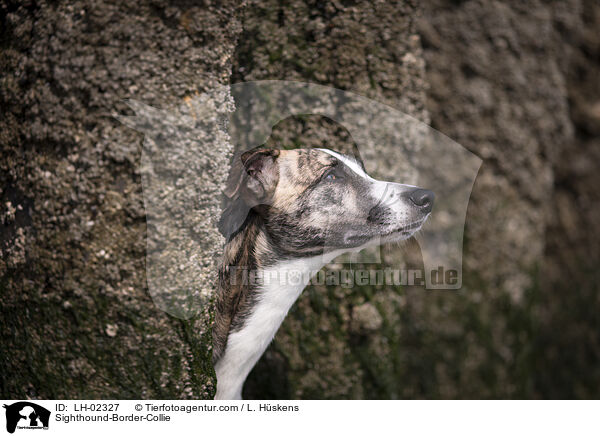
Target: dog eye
(332, 174)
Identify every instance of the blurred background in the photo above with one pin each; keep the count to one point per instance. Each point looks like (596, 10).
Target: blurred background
(517, 83)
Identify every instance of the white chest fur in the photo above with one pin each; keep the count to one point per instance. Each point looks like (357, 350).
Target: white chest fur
(283, 284)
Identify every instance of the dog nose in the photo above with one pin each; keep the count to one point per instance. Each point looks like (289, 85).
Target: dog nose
(423, 198)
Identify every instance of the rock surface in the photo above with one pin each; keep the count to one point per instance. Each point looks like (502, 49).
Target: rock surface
(76, 317)
(517, 84)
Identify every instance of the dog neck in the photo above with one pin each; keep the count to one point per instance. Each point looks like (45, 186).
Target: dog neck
(250, 312)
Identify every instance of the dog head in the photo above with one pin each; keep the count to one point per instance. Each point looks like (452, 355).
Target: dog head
(314, 201)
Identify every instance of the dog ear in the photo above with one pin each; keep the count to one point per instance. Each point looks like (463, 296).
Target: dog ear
(262, 175)
(252, 180)
(235, 212)
(253, 175)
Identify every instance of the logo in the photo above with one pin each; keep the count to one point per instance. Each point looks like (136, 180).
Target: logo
(26, 415)
(245, 115)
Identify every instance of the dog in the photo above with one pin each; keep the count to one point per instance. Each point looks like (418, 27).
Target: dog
(288, 213)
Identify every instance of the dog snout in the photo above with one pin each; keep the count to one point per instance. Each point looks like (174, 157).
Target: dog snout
(422, 198)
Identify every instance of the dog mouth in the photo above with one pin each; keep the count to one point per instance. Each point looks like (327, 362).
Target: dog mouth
(404, 231)
(408, 229)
